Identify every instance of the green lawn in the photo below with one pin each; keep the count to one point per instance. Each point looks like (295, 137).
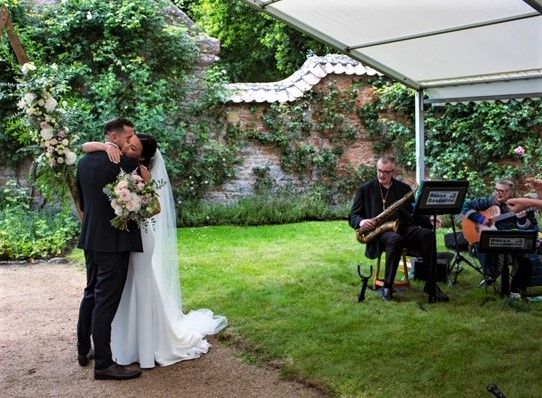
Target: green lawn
(290, 295)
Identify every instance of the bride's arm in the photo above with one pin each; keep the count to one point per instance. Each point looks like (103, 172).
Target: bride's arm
(113, 151)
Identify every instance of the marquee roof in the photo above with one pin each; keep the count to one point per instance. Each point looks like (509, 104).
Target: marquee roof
(455, 50)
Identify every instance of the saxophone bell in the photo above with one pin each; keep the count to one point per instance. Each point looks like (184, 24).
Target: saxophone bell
(382, 224)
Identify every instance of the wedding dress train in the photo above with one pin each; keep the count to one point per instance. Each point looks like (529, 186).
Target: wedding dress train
(149, 326)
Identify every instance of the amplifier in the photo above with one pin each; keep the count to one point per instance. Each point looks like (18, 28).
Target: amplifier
(421, 272)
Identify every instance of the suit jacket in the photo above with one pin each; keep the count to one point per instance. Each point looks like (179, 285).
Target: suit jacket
(94, 172)
(368, 204)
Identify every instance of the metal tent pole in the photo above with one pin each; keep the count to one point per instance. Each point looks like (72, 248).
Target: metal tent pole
(420, 137)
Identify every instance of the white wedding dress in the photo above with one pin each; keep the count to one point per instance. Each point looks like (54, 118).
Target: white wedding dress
(149, 326)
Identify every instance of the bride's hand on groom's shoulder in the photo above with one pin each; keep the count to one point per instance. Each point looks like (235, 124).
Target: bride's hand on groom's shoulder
(113, 153)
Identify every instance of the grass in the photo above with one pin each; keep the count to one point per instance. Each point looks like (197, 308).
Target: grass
(290, 295)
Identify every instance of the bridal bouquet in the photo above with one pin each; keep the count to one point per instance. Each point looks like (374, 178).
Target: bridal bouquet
(133, 199)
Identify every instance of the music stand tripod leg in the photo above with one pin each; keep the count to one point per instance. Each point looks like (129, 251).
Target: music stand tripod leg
(432, 288)
(459, 257)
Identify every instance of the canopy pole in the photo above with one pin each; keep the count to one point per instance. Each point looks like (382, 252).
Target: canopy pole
(420, 136)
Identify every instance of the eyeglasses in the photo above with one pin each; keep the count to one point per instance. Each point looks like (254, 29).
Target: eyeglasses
(501, 191)
(386, 172)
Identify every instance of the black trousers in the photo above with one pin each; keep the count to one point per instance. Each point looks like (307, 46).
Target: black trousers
(416, 238)
(106, 276)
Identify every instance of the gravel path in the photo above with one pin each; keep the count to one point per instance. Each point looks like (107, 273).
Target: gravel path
(38, 314)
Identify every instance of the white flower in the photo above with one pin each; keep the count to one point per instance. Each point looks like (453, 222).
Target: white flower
(54, 66)
(70, 157)
(116, 207)
(41, 102)
(54, 141)
(47, 133)
(21, 104)
(28, 67)
(89, 15)
(29, 98)
(50, 104)
(65, 142)
(60, 160)
(133, 204)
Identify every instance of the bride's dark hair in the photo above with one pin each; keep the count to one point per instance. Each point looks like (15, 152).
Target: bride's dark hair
(149, 145)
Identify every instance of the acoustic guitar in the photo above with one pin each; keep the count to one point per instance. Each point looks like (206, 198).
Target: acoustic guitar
(472, 230)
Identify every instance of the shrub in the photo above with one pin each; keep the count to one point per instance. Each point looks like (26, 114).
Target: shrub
(26, 233)
(279, 208)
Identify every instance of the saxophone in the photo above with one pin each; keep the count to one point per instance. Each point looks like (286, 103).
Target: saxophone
(381, 225)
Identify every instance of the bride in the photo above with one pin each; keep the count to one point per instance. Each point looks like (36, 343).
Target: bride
(149, 326)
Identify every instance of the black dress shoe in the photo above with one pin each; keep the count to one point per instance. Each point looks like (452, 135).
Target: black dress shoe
(488, 281)
(116, 372)
(439, 294)
(83, 360)
(385, 294)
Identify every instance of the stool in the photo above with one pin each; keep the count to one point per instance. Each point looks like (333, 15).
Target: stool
(379, 282)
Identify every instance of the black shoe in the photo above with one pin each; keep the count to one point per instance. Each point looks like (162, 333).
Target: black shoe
(488, 281)
(116, 372)
(439, 294)
(385, 294)
(85, 359)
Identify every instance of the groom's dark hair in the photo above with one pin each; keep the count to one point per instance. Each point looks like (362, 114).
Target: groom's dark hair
(116, 124)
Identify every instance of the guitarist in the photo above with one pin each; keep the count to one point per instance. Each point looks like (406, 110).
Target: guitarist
(484, 211)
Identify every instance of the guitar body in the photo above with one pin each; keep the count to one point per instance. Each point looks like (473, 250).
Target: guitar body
(472, 230)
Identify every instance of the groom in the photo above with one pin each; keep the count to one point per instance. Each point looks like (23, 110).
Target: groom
(107, 253)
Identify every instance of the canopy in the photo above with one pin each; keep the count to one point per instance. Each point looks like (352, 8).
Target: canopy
(448, 50)
(455, 50)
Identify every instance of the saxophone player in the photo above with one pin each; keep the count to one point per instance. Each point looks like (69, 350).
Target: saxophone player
(372, 200)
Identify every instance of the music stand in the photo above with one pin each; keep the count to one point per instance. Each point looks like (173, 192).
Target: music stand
(504, 242)
(455, 267)
(439, 197)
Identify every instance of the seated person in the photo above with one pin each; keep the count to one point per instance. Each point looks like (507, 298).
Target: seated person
(374, 197)
(476, 211)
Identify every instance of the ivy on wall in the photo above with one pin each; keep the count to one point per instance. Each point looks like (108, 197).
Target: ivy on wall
(312, 134)
(474, 142)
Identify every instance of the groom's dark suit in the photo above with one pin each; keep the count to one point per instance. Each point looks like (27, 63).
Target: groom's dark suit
(107, 254)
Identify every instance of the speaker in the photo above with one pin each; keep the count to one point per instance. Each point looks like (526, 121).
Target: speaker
(421, 272)
(458, 242)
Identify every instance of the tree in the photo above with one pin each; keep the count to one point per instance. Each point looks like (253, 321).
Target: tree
(255, 47)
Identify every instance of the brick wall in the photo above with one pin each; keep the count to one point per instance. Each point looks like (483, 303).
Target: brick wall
(256, 155)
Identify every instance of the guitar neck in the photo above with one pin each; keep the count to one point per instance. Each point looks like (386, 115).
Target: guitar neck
(510, 214)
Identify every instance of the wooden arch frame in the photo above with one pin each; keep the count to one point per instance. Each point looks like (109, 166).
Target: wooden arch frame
(7, 24)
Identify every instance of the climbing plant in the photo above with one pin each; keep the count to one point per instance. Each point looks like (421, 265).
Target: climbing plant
(312, 134)
(475, 142)
(123, 58)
